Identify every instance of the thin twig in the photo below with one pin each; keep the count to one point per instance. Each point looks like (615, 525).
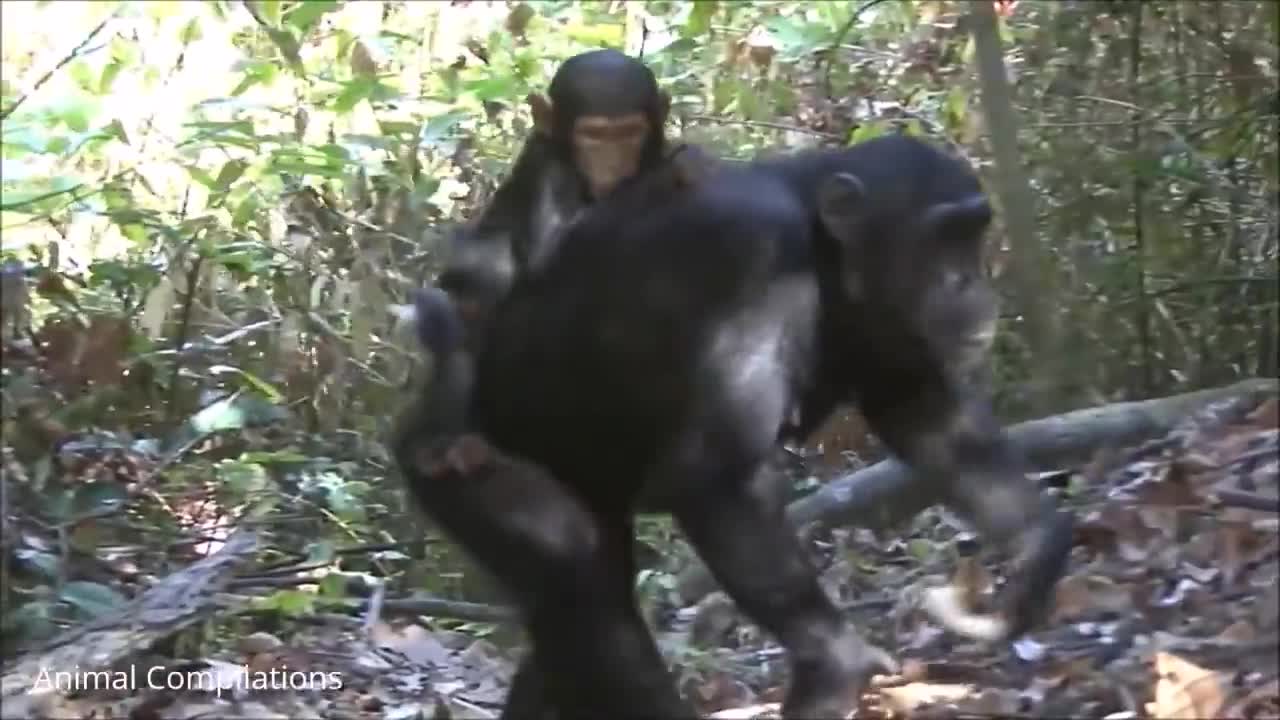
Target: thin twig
(61, 63)
(828, 58)
(764, 124)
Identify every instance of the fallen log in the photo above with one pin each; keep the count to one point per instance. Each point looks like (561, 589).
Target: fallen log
(885, 494)
(172, 604)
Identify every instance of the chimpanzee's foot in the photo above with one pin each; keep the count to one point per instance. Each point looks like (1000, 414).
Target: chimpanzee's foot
(831, 684)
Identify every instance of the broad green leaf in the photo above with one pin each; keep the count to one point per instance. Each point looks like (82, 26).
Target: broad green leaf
(600, 35)
(305, 14)
(337, 153)
(201, 176)
(269, 11)
(231, 171)
(289, 602)
(333, 585)
(82, 74)
(77, 112)
(93, 599)
(700, 18)
(289, 47)
(123, 51)
(353, 91)
(136, 233)
(244, 212)
(494, 87)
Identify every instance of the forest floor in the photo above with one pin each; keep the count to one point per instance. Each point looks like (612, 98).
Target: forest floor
(1169, 610)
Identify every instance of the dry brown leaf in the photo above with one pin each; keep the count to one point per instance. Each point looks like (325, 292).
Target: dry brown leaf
(413, 641)
(1241, 631)
(1267, 415)
(1263, 702)
(1080, 593)
(908, 698)
(1185, 690)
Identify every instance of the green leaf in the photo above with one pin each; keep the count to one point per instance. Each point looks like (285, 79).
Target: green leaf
(493, 87)
(115, 130)
(602, 35)
(269, 11)
(82, 74)
(305, 14)
(289, 602)
(749, 106)
(700, 18)
(191, 32)
(289, 48)
(201, 176)
(136, 233)
(123, 51)
(244, 212)
(441, 126)
(243, 478)
(231, 171)
(866, 131)
(92, 599)
(920, 549)
(353, 91)
(262, 386)
(77, 112)
(333, 585)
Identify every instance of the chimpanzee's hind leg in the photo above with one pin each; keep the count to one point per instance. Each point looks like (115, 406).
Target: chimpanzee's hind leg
(570, 571)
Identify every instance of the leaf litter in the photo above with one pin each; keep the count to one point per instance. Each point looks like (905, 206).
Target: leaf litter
(1169, 610)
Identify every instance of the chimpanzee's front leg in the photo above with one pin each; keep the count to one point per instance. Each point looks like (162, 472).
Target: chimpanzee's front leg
(735, 520)
(949, 434)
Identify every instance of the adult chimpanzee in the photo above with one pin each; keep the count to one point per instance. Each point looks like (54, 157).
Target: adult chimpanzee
(602, 124)
(662, 351)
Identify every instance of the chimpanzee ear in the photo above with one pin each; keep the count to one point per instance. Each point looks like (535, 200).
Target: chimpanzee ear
(842, 206)
(543, 112)
(959, 221)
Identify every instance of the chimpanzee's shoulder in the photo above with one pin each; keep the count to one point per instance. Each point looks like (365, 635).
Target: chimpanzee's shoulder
(745, 194)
